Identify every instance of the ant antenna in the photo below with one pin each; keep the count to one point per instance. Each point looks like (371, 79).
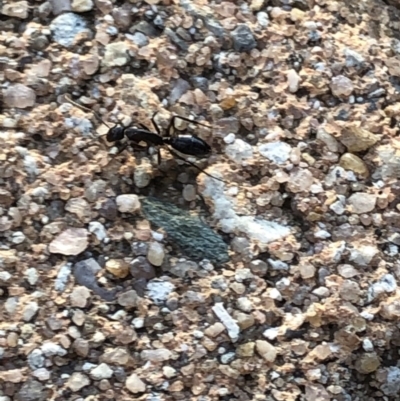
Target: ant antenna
(69, 100)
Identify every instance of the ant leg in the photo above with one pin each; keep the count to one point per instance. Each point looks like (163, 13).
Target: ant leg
(123, 147)
(134, 145)
(174, 118)
(158, 156)
(155, 124)
(138, 147)
(143, 126)
(171, 126)
(193, 165)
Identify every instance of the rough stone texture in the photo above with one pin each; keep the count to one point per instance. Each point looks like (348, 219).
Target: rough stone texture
(275, 276)
(194, 237)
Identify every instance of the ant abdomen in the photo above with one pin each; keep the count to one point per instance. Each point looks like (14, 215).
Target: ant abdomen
(189, 145)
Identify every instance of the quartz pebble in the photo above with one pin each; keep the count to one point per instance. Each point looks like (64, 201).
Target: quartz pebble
(98, 230)
(214, 330)
(134, 384)
(230, 324)
(341, 86)
(77, 381)
(32, 275)
(19, 96)
(102, 371)
(277, 152)
(17, 9)
(79, 297)
(81, 6)
(30, 311)
(116, 54)
(66, 27)
(156, 253)
(142, 176)
(293, 81)
(128, 203)
(158, 355)
(386, 284)
(41, 374)
(362, 202)
(239, 151)
(72, 241)
(266, 350)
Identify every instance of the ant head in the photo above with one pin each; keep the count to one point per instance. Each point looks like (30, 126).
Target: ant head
(116, 133)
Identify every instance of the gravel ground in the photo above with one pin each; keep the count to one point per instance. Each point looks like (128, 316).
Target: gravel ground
(122, 279)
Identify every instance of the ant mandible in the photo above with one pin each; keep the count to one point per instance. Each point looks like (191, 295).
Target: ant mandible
(190, 145)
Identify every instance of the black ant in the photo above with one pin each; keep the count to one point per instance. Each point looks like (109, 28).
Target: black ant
(190, 145)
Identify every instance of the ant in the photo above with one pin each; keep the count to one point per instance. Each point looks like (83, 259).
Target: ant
(190, 145)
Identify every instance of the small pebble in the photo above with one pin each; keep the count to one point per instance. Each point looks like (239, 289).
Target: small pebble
(30, 311)
(341, 86)
(103, 371)
(66, 27)
(189, 193)
(98, 230)
(266, 350)
(72, 241)
(128, 203)
(156, 253)
(19, 96)
(17, 9)
(243, 39)
(81, 6)
(117, 267)
(77, 381)
(79, 297)
(134, 384)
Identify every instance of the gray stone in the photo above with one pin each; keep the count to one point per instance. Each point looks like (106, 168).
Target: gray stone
(20, 96)
(103, 371)
(84, 275)
(30, 311)
(36, 359)
(243, 39)
(31, 390)
(139, 39)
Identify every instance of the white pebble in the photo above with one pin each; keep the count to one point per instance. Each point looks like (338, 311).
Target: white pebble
(128, 203)
(32, 275)
(367, 345)
(138, 322)
(98, 230)
(227, 320)
(157, 236)
(18, 237)
(156, 253)
(239, 151)
(230, 138)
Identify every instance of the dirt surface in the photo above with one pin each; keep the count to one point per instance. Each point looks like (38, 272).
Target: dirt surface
(293, 293)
